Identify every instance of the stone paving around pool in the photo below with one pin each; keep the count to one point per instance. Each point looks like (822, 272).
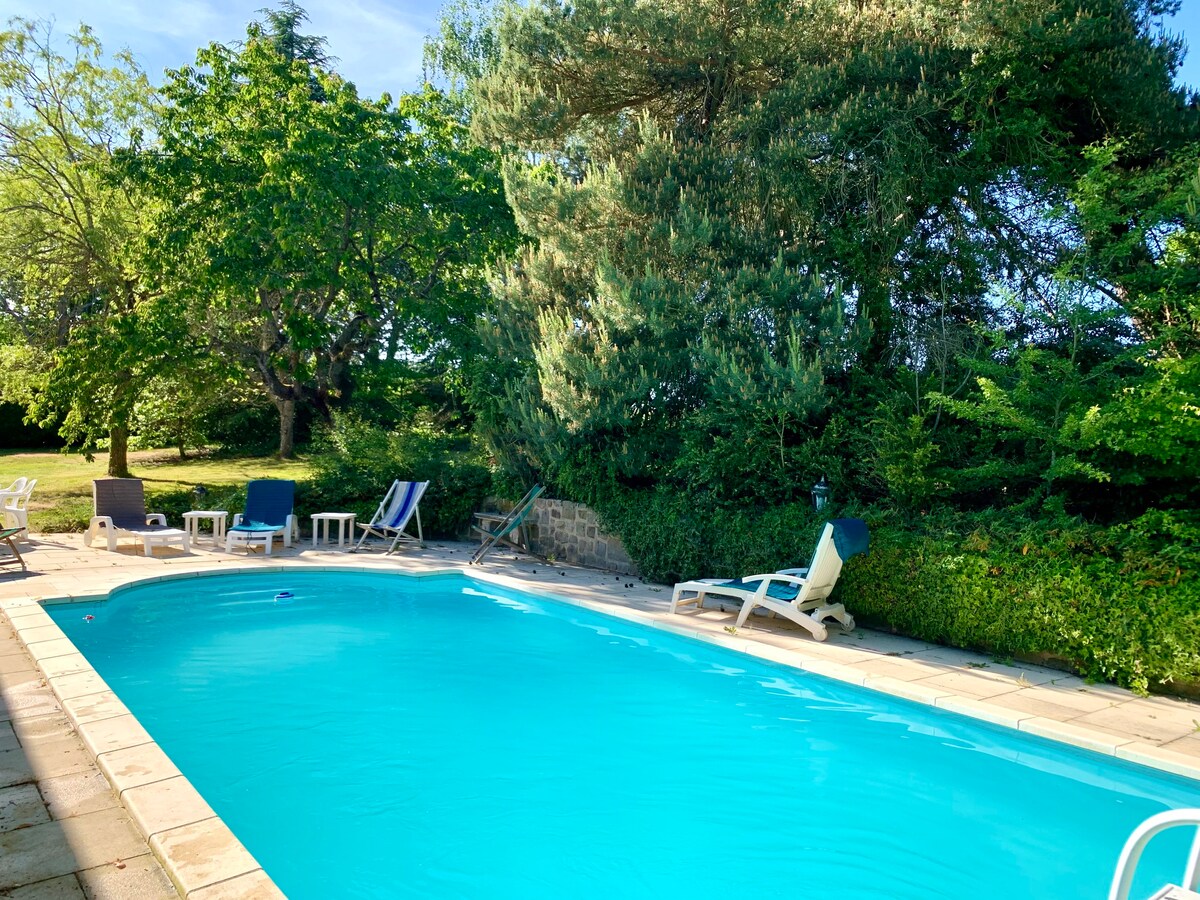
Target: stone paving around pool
(91, 807)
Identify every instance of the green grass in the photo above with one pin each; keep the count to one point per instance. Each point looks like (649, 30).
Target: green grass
(62, 500)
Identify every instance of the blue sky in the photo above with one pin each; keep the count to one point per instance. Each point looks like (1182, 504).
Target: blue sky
(378, 42)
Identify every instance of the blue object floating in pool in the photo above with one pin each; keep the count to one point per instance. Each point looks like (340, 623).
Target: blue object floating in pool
(285, 597)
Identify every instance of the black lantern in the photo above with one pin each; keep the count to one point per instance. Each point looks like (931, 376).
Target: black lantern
(820, 494)
(201, 492)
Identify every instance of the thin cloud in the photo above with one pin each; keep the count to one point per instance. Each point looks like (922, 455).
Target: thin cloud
(378, 44)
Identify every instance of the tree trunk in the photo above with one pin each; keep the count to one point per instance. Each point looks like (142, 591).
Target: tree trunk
(287, 427)
(876, 305)
(118, 451)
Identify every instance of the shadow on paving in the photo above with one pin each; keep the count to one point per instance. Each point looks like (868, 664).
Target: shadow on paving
(63, 833)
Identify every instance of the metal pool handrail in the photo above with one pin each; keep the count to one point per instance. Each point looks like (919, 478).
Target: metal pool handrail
(1142, 835)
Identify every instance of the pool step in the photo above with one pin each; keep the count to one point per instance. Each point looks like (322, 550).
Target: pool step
(1175, 892)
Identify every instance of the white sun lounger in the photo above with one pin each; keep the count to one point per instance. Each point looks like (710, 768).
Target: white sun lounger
(800, 595)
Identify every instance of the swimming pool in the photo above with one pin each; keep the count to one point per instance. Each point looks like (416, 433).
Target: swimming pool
(382, 736)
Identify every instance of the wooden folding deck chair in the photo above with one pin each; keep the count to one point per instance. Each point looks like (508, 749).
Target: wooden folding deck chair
(7, 535)
(507, 529)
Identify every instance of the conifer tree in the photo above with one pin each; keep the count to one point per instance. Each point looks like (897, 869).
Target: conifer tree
(734, 208)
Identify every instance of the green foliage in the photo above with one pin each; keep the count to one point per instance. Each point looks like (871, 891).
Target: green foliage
(1117, 604)
(1143, 234)
(1155, 418)
(905, 458)
(1032, 399)
(781, 216)
(72, 289)
(674, 536)
(357, 462)
(308, 231)
(198, 404)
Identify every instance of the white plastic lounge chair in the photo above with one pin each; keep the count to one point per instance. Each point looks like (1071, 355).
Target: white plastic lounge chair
(399, 506)
(801, 595)
(121, 512)
(269, 504)
(14, 512)
(508, 529)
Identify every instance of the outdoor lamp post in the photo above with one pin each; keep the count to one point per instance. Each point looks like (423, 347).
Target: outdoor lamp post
(820, 494)
(201, 492)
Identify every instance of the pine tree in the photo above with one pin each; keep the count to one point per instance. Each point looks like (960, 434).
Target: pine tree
(734, 207)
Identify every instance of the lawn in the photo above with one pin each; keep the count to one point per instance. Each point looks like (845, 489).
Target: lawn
(62, 500)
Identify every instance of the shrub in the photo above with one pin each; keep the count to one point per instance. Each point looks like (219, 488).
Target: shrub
(674, 536)
(357, 461)
(1119, 604)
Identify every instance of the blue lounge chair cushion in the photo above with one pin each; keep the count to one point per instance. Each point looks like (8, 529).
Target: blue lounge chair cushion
(850, 537)
(777, 589)
(255, 526)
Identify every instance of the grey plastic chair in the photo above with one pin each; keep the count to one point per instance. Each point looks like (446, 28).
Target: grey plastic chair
(121, 512)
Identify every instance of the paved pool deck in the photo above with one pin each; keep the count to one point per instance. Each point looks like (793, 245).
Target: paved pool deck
(91, 807)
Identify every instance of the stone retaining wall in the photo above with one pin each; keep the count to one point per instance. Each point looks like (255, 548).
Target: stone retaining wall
(569, 532)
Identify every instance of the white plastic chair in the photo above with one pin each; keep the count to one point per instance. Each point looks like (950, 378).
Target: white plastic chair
(14, 505)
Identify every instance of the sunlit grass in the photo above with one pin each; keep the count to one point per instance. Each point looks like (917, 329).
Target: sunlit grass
(62, 499)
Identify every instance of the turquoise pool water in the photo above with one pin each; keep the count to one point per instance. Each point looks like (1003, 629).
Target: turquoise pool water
(379, 736)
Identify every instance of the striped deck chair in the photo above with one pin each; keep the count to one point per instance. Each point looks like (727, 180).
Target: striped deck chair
(399, 506)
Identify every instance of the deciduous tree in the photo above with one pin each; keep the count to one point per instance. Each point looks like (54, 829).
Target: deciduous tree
(69, 281)
(308, 230)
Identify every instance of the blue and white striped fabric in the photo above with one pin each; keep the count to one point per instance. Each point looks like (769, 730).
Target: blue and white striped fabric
(400, 505)
(408, 496)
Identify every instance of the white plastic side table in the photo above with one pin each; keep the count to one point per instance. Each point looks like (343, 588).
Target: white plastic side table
(191, 524)
(343, 520)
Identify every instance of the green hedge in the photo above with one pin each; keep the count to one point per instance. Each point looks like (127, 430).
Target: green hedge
(673, 536)
(1118, 604)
